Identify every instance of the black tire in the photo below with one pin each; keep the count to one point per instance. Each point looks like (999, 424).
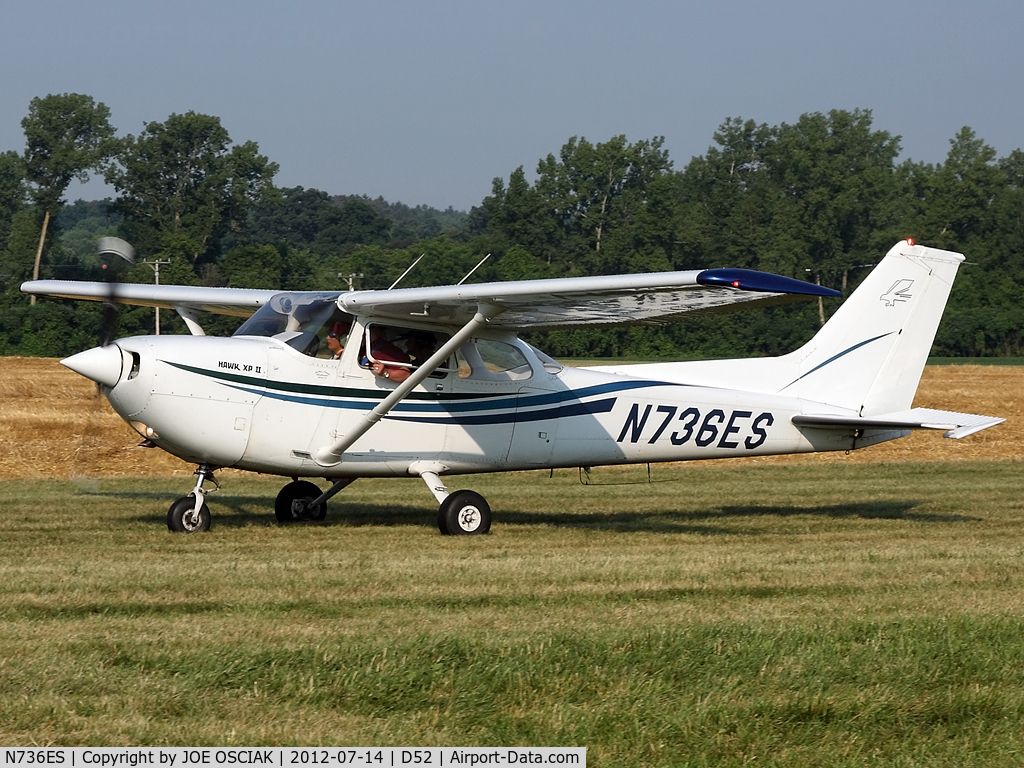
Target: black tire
(289, 509)
(464, 513)
(180, 518)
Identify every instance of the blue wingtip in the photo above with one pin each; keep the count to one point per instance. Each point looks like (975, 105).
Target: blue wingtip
(765, 282)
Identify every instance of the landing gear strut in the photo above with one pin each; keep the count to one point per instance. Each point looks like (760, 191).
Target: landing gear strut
(189, 514)
(462, 513)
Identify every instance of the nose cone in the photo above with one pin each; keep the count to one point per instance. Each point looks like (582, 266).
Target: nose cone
(101, 364)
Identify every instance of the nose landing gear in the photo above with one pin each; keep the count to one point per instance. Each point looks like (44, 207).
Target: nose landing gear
(189, 514)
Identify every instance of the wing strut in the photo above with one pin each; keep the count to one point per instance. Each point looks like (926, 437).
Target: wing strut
(330, 455)
(191, 317)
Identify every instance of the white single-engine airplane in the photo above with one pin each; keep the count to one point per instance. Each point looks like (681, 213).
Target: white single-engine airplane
(435, 381)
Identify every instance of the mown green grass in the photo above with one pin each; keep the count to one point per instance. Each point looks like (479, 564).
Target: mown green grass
(805, 614)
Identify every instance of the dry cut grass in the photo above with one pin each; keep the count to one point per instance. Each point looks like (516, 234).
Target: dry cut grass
(53, 423)
(988, 389)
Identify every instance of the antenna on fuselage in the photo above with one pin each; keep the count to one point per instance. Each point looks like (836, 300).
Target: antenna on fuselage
(406, 271)
(474, 269)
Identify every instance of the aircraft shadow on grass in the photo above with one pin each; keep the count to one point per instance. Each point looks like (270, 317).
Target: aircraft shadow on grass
(237, 511)
(711, 521)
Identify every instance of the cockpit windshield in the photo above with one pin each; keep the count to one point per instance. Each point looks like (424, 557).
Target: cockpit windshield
(303, 321)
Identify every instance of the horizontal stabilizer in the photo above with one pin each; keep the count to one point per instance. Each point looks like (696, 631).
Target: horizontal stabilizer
(957, 425)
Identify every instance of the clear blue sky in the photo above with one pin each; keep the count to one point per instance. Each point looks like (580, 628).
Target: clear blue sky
(426, 102)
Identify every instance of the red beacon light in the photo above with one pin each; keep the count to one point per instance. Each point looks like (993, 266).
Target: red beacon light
(910, 241)
(735, 283)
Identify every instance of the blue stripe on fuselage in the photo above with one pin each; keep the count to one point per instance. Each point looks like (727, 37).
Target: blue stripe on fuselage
(500, 402)
(454, 408)
(518, 417)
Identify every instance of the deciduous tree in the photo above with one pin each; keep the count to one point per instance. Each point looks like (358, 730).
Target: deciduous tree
(182, 180)
(67, 136)
(13, 192)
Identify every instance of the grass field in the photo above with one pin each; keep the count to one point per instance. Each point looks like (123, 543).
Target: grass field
(839, 610)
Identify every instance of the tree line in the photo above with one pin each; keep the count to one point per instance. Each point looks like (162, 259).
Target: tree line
(821, 199)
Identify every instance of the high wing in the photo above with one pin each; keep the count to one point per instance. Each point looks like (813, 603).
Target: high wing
(239, 302)
(649, 299)
(652, 298)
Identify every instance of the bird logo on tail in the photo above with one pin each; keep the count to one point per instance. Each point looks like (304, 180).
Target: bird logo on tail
(897, 293)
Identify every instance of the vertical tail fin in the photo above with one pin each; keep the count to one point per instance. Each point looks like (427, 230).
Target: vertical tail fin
(870, 354)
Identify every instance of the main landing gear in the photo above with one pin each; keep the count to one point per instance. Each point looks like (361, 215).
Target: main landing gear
(462, 513)
(292, 503)
(301, 501)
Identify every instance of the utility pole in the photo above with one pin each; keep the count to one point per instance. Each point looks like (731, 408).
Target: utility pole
(155, 266)
(116, 246)
(350, 277)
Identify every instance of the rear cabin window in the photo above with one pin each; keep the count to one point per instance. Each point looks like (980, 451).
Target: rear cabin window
(490, 360)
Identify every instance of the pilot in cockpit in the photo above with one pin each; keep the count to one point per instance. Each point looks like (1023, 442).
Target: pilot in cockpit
(335, 338)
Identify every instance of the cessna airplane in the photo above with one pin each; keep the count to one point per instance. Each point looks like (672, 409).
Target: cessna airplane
(431, 382)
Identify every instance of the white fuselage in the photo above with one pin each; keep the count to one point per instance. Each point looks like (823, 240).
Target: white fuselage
(258, 404)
